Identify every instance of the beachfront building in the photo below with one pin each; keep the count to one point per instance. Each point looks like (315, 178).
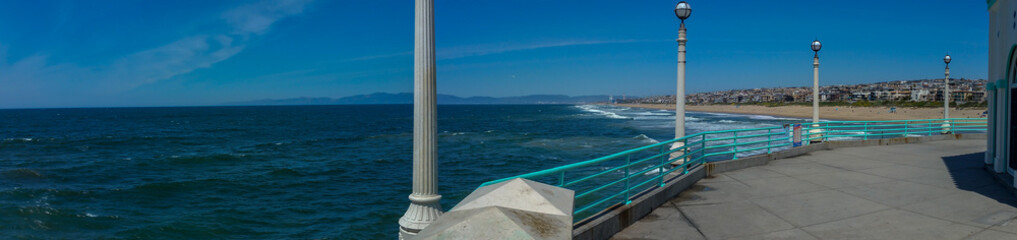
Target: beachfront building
(1001, 91)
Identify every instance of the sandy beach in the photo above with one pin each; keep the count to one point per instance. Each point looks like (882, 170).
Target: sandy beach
(829, 113)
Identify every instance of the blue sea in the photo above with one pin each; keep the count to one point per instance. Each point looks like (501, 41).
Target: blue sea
(284, 172)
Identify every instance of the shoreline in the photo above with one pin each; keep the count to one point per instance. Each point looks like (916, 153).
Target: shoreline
(829, 113)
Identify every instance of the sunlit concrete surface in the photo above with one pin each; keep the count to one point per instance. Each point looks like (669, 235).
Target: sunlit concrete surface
(932, 190)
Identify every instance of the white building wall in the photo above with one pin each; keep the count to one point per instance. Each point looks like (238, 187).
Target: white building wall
(1002, 39)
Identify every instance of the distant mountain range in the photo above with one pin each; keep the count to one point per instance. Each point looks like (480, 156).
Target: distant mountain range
(407, 98)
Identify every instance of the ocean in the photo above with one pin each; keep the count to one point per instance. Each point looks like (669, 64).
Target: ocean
(277, 172)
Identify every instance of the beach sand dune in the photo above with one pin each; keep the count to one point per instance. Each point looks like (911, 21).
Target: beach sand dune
(831, 113)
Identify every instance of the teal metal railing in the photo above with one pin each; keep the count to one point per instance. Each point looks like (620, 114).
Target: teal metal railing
(618, 178)
(864, 130)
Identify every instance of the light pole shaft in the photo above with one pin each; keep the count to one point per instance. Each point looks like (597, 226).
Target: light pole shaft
(425, 201)
(679, 119)
(946, 93)
(815, 89)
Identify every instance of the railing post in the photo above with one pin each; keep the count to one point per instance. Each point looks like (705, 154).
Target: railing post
(702, 152)
(806, 138)
(826, 133)
(769, 133)
(865, 132)
(628, 160)
(735, 145)
(660, 168)
(561, 181)
(686, 151)
(928, 127)
(906, 123)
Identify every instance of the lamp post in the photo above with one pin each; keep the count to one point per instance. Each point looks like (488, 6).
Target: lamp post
(682, 11)
(425, 201)
(816, 45)
(946, 96)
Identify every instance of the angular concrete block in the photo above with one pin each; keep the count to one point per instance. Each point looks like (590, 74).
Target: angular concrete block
(514, 209)
(521, 194)
(498, 223)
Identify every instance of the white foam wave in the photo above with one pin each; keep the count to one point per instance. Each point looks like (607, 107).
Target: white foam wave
(653, 118)
(668, 117)
(593, 109)
(765, 117)
(646, 139)
(653, 114)
(654, 172)
(719, 114)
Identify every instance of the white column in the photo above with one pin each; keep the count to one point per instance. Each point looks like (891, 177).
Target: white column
(815, 90)
(946, 100)
(990, 154)
(815, 133)
(425, 204)
(946, 93)
(1000, 118)
(679, 119)
(679, 96)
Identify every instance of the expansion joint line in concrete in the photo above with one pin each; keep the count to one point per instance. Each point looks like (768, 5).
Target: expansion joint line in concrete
(687, 219)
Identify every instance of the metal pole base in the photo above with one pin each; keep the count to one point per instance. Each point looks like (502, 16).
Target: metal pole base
(816, 134)
(678, 153)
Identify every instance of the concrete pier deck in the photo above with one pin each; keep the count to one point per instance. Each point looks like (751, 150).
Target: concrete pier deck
(931, 190)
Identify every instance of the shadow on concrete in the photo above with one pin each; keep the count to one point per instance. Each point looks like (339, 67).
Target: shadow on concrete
(968, 173)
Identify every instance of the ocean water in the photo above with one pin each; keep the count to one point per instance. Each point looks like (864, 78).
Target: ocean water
(305, 172)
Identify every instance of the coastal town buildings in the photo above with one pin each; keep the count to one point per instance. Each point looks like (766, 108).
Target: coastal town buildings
(962, 90)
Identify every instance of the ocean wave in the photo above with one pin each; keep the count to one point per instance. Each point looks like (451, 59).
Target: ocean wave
(669, 118)
(654, 113)
(766, 117)
(718, 114)
(654, 118)
(447, 133)
(178, 186)
(210, 158)
(22, 174)
(285, 172)
(593, 109)
(646, 139)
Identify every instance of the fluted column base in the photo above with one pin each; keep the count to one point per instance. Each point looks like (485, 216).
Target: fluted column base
(424, 209)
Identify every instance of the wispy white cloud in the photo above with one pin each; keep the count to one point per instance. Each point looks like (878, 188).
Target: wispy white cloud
(257, 18)
(36, 77)
(380, 56)
(487, 49)
(179, 57)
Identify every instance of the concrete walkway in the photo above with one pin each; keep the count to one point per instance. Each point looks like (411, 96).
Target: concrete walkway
(932, 190)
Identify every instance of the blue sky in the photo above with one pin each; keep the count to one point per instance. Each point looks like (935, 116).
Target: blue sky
(185, 52)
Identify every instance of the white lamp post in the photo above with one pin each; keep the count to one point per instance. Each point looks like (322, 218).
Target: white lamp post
(946, 95)
(425, 201)
(683, 11)
(816, 45)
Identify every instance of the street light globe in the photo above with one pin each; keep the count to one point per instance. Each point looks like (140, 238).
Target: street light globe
(816, 46)
(682, 10)
(947, 59)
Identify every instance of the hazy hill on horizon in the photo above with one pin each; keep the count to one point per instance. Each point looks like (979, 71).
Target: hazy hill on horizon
(407, 98)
